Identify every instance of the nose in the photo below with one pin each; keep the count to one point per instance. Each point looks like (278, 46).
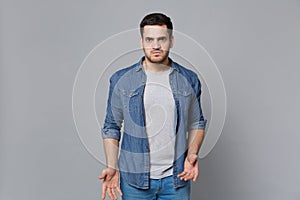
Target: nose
(156, 44)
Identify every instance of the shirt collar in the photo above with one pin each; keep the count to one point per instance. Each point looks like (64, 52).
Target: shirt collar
(139, 65)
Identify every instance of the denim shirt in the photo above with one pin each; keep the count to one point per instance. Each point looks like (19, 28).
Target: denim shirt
(125, 105)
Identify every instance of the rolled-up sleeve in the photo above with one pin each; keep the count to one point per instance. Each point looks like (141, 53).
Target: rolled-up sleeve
(114, 113)
(196, 118)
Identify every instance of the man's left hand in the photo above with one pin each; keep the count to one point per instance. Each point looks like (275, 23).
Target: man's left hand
(191, 170)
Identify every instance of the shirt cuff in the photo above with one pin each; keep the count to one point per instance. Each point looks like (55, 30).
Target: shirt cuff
(198, 125)
(113, 134)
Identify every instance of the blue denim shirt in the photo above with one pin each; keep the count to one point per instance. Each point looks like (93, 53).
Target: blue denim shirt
(125, 105)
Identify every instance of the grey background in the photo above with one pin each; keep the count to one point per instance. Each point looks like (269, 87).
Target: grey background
(254, 43)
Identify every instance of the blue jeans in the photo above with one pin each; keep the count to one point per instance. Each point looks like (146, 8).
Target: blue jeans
(160, 189)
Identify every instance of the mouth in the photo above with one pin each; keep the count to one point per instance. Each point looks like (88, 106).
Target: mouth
(156, 52)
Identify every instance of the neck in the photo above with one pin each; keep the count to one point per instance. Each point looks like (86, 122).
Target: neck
(156, 67)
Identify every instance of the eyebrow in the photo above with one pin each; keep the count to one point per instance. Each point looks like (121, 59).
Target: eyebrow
(159, 38)
(162, 37)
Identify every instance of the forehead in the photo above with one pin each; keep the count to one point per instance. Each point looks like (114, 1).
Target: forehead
(155, 30)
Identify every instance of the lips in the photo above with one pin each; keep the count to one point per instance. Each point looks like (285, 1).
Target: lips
(156, 52)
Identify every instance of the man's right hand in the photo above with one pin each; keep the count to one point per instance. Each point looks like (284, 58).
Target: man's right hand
(110, 183)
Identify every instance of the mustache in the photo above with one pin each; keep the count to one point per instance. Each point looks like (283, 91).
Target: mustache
(156, 51)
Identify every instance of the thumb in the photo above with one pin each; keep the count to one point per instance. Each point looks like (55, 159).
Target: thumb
(103, 175)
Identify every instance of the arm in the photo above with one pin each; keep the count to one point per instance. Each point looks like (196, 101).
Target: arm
(111, 136)
(111, 148)
(110, 175)
(196, 129)
(195, 141)
(111, 131)
(191, 170)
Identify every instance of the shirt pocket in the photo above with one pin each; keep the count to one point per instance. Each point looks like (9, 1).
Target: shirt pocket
(133, 108)
(130, 100)
(184, 97)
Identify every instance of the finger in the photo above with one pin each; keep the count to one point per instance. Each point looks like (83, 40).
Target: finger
(103, 175)
(183, 177)
(195, 178)
(110, 193)
(114, 193)
(182, 174)
(188, 176)
(103, 192)
(119, 190)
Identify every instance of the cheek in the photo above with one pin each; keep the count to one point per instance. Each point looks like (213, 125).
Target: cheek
(147, 49)
(146, 46)
(166, 46)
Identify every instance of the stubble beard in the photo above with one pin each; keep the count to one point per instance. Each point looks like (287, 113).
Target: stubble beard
(161, 60)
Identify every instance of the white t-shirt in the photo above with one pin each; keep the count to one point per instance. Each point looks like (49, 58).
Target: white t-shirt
(159, 108)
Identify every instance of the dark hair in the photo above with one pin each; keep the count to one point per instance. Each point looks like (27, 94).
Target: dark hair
(156, 19)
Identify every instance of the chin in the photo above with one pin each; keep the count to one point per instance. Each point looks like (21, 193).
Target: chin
(158, 59)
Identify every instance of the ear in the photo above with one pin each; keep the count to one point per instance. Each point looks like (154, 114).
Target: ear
(171, 41)
(141, 42)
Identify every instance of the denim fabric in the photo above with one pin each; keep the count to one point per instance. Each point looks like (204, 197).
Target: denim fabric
(125, 105)
(159, 189)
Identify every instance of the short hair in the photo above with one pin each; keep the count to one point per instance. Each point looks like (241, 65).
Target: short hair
(156, 19)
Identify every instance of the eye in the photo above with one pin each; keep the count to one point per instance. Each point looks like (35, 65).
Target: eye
(148, 39)
(162, 39)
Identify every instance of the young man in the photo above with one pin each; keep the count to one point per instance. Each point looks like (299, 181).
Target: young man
(158, 102)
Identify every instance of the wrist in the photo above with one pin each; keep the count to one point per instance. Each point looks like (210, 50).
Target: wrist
(192, 154)
(192, 158)
(114, 167)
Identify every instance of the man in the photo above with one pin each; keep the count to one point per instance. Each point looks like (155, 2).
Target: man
(158, 102)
